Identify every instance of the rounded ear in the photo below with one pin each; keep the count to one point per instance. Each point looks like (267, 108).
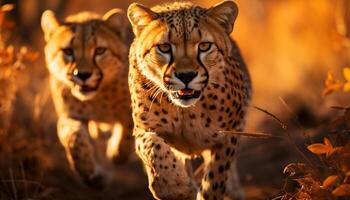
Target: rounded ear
(225, 13)
(140, 16)
(49, 23)
(117, 21)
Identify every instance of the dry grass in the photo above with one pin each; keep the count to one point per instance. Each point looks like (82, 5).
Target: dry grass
(329, 176)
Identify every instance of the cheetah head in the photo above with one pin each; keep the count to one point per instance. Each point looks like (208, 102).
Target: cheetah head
(86, 51)
(179, 46)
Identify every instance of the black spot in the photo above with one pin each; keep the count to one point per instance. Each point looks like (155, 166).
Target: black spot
(208, 120)
(164, 120)
(234, 140)
(220, 118)
(233, 152)
(156, 113)
(223, 125)
(227, 165)
(215, 186)
(223, 190)
(212, 107)
(221, 169)
(228, 151)
(221, 184)
(164, 111)
(158, 146)
(211, 175)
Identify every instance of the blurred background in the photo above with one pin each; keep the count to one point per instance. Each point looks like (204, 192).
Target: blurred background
(288, 45)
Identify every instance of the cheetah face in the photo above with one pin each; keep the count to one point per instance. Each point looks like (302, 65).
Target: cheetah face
(85, 52)
(180, 50)
(185, 76)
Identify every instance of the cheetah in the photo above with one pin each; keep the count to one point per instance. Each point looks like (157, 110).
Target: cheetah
(189, 88)
(87, 58)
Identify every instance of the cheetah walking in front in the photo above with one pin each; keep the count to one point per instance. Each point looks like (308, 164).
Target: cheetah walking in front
(188, 84)
(87, 59)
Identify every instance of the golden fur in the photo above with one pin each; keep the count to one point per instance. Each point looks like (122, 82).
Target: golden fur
(86, 56)
(188, 83)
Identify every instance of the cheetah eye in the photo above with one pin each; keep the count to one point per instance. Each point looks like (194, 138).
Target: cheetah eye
(68, 51)
(100, 50)
(204, 46)
(164, 48)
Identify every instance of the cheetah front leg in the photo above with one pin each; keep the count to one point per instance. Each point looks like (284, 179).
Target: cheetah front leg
(167, 175)
(75, 138)
(220, 175)
(121, 144)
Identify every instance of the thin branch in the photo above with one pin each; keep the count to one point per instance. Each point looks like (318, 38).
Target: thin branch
(290, 139)
(283, 125)
(252, 134)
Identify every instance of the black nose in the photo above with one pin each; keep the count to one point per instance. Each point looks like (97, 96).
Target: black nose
(83, 75)
(186, 77)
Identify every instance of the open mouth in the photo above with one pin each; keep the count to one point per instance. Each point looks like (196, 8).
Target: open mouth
(186, 94)
(86, 89)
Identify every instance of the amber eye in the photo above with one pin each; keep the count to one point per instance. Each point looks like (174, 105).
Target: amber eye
(100, 50)
(164, 48)
(68, 51)
(204, 46)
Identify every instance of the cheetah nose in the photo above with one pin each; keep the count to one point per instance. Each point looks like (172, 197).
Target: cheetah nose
(82, 75)
(186, 77)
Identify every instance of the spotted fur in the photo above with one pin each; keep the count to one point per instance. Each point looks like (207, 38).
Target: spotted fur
(87, 59)
(188, 84)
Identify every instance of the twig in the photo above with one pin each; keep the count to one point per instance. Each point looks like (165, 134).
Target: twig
(252, 134)
(295, 119)
(290, 139)
(283, 125)
(14, 190)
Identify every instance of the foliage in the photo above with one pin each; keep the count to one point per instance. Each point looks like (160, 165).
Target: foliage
(332, 85)
(330, 179)
(10, 61)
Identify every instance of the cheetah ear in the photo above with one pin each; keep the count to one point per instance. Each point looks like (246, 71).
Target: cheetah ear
(225, 13)
(49, 23)
(117, 21)
(140, 16)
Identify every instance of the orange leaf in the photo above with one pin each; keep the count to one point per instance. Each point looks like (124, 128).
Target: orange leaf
(342, 190)
(347, 86)
(319, 148)
(347, 173)
(330, 88)
(346, 72)
(336, 149)
(7, 7)
(327, 142)
(330, 78)
(330, 181)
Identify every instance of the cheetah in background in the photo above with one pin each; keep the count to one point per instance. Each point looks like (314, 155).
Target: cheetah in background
(188, 83)
(86, 56)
